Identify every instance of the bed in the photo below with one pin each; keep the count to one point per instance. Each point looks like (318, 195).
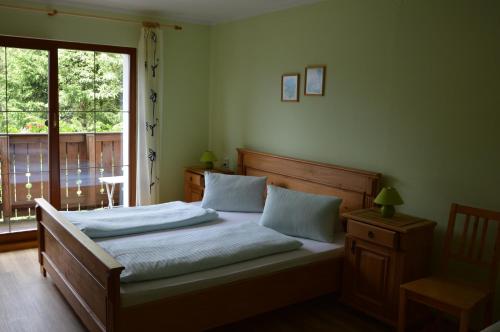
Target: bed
(89, 278)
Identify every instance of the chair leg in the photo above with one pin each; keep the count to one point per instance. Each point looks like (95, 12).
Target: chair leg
(402, 310)
(464, 321)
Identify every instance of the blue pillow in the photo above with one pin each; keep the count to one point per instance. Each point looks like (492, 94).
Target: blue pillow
(235, 193)
(300, 214)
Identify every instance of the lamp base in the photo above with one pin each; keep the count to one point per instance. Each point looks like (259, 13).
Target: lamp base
(209, 165)
(387, 211)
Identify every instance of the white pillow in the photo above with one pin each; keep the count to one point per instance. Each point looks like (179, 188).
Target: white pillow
(300, 214)
(235, 193)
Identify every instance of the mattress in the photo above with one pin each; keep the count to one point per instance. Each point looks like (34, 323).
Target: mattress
(135, 293)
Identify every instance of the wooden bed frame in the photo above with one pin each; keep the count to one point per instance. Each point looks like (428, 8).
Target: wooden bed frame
(89, 278)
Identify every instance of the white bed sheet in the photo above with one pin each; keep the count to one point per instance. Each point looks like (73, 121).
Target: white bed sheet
(311, 251)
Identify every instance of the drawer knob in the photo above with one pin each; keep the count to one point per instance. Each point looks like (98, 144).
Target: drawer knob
(371, 235)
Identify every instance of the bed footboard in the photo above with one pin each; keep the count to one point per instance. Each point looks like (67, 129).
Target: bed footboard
(87, 276)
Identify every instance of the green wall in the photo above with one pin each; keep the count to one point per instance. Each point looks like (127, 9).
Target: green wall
(186, 55)
(411, 92)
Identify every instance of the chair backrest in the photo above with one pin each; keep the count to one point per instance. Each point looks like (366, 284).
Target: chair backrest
(473, 239)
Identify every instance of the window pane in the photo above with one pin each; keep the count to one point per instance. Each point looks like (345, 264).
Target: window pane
(90, 188)
(27, 80)
(3, 80)
(77, 122)
(23, 135)
(78, 188)
(111, 141)
(76, 80)
(24, 188)
(27, 122)
(109, 82)
(109, 122)
(94, 127)
(105, 190)
(27, 177)
(28, 153)
(3, 123)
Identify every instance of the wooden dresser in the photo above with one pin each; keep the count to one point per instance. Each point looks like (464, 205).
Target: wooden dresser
(194, 182)
(380, 254)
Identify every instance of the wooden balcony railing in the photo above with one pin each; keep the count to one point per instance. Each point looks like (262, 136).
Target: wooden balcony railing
(84, 158)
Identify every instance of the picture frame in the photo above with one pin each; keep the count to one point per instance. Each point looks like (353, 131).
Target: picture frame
(290, 87)
(314, 84)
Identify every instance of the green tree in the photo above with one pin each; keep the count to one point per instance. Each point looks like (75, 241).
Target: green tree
(90, 90)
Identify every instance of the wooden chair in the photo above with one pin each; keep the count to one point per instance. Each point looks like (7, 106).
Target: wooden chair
(456, 297)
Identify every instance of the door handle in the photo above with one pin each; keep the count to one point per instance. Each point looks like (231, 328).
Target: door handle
(353, 247)
(54, 123)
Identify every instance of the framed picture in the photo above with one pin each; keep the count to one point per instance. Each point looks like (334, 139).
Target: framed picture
(315, 81)
(290, 87)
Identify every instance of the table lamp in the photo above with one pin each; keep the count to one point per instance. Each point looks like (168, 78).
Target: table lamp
(208, 158)
(387, 198)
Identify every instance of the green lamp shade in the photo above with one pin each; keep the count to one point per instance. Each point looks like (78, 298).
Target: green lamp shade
(208, 157)
(387, 198)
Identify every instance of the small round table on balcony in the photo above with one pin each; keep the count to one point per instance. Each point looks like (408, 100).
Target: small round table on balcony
(110, 182)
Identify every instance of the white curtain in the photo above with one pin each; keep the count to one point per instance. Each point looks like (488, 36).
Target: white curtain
(149, 112)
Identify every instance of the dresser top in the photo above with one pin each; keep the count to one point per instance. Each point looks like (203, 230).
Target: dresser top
(201, 170)
(400, 222)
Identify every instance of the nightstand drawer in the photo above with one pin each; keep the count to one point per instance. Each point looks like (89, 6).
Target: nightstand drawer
(194, 178)
(371, 233)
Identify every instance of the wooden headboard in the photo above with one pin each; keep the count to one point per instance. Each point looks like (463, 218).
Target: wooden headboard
(356, 188)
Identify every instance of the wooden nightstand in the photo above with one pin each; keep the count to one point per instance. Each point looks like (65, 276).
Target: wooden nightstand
(380, 254)
(194, 182)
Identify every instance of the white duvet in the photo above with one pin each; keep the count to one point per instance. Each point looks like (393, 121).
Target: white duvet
(140, 219)
(172, 253)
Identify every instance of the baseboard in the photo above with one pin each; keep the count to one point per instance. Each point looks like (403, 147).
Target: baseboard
(18, 241)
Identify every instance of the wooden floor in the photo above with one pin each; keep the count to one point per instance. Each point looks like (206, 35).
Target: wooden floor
(29, 302)
(323, 314)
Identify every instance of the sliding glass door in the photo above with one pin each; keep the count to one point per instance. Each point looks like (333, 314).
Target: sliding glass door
(67, 127)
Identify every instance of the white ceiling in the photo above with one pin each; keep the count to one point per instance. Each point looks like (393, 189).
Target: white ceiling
(194, 11)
